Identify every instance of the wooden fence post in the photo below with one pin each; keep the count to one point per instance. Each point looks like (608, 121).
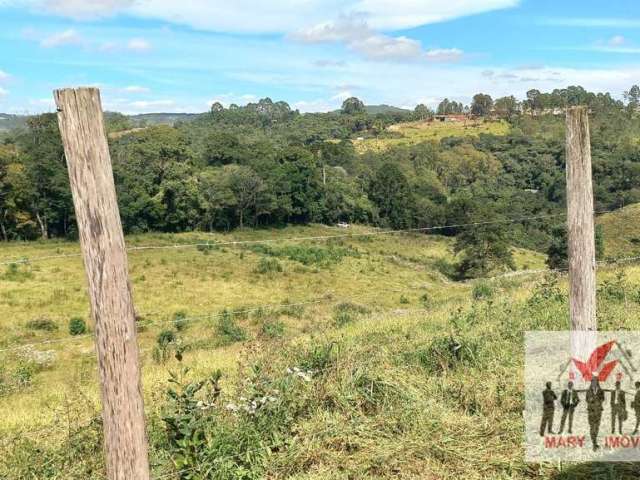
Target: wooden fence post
(581, 233)
(105, 260)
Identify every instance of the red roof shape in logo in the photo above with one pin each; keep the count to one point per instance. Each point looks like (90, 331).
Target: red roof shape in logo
(597, 357)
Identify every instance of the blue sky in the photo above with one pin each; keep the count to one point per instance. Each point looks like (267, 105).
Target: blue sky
(180, 56)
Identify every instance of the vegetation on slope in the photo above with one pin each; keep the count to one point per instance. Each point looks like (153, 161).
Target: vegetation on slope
(396, 371)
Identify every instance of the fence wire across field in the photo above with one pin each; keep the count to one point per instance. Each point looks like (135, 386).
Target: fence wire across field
(324, 299)
(48, 431)
(190, 319)
(207, 244)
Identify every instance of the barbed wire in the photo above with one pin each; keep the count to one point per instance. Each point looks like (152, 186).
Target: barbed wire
(218, 314)
(214, 244)
(190, 319)
(49, 431)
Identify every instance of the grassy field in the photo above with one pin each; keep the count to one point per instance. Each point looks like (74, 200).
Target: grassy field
(411, 133)
(363, 381)
(623, 229)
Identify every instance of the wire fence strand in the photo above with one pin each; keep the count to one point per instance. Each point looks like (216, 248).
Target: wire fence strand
(214, 244)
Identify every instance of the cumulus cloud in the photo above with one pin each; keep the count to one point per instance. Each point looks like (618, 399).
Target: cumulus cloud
(226, 99)
(86, 9)
(325, 63)
(3, 75)
(275, 16)
(139, 45)
(3, 92)
(152, 104)
(356, 34)
(67, 37)
(135, 89)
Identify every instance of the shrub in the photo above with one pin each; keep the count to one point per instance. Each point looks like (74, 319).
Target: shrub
(186, 418)
(42, 323)
(17, 272)
(347, 312)
(166, 339)
(179, 320)
(207, 247)
(273, 328)
(229, 330)
(482, 291)
(268, 265)
(77, 326)
(404, 300)
(446, 353)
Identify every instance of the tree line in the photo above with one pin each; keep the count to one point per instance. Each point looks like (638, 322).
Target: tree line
(265, 164)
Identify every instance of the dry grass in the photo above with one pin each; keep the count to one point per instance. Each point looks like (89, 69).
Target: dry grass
(383, 409)
(411, 133)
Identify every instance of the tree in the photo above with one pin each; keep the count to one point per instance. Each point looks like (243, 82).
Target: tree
(534, 100)
(484, 246)
(216, 107)
(558, 251)
(505, 107)
(221, 148)
(447, 106)
(390, 192)
(48, 197)
(633, 98)
(248, 190)
(353, 106)
(482, 104)
(422, 112)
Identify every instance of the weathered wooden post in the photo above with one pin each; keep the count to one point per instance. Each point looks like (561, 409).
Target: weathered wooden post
(581, 233)
(580, 221)
(105, 259)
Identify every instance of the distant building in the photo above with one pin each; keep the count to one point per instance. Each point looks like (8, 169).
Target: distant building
(452, 117)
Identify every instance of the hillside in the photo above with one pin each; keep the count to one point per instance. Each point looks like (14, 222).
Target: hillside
(412, 133)
(351, 337)
(9, 122)
(162, 118)
(622, 231)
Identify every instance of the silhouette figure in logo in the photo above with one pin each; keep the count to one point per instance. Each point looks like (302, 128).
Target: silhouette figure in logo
(569, 401)
(548, 407)
(618, 408)
(595, 399)
(635, 404)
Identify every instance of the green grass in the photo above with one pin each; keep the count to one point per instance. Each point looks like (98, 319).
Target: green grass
(363, 381)
(621, 232)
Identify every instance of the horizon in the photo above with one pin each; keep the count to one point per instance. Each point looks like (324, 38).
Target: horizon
(155, 56)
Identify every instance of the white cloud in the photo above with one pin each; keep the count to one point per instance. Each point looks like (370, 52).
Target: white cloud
(326, 63)
(342, 96)
(135, 89)
(67, 37)
(85, 9)
(616, 40)
(152, 104)
(592, 22)
(139, 45)
(401, 14)
(275, 16)
(227, 99)
(3, 92)
(444, 54)
(360, 38)
(3, 76)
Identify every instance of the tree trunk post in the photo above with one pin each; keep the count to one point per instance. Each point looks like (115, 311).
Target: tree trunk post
(102, 242)
(581, 232)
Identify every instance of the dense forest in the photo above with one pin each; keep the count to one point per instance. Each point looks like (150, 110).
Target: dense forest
(264, 164)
